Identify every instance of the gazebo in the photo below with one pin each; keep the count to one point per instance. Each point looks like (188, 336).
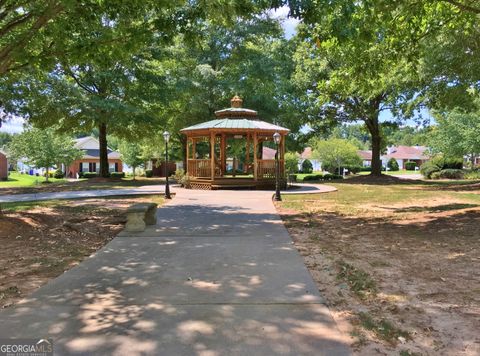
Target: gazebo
(236, 150)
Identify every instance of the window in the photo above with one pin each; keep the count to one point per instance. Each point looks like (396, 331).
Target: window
(85, 167)
(111, 167)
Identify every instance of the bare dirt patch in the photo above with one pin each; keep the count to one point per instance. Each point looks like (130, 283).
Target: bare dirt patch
(401, 279)
(42, 242)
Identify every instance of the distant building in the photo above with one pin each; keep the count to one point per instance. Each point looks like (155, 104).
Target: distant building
(402, 154)
(307, 154)
(366, 157)
(3, 166)
(90, 162)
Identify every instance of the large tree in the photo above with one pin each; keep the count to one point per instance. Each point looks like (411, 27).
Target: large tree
(251, 59)
(457, 134)
(43, 148)
(358, 58)
(350, 70)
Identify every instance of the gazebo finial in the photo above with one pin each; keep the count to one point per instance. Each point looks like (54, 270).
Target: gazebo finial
(236, 102)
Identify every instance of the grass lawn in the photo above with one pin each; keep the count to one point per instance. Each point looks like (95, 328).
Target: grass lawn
(16, 179)
(396, 173)
(41, 240)
(22, 184)
(398, 263)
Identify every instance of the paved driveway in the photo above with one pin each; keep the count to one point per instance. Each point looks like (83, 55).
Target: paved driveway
(218, 275)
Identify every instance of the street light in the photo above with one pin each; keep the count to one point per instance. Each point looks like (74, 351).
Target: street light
(166, 137)
(277, 138)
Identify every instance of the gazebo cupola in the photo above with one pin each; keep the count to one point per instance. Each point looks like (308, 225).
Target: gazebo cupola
(234, 150)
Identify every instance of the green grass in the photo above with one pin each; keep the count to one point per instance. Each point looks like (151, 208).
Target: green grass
(55, 203)
(360, 282)
(396, 173)
(28, 205)
(382, 328)
(16, 179)
(351, 199)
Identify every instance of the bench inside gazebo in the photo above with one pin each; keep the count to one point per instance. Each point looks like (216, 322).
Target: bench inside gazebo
(231, 151)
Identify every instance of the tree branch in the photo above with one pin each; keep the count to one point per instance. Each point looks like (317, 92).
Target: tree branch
(463, 7)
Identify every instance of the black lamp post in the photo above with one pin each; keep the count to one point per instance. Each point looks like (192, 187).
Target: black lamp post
(277, 138)
(166, 136)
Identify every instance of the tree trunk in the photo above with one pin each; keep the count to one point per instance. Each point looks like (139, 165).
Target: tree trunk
(374, 129)
(46, 174)
(102, 138)
(234, 173)
(133, 168)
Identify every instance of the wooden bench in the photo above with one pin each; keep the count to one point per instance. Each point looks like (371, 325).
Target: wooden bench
(140, 215)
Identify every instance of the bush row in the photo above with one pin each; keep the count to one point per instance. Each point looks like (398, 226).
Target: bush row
(440, 163)
(326, 176)
(94, 175)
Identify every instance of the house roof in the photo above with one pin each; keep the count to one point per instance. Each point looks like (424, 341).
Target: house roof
(408, 152)
(268, 153)
(307, 153)
(237, 123)
(365, 154)
(399, 152)
(91, 147)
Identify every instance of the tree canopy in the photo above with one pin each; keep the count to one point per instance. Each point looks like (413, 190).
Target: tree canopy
(43, 148)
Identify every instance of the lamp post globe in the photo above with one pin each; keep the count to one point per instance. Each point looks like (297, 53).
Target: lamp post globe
(166, 137)
(277, 138)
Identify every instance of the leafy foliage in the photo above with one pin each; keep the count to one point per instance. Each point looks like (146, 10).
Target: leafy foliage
(392, 164)
(410, 166)
(43, 148)
(131, 153)
(291, 162)
(335, 154)
(307, 166)
(456, 133)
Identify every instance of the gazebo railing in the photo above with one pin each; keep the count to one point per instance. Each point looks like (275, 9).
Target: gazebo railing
(266, 168)
(199, 167)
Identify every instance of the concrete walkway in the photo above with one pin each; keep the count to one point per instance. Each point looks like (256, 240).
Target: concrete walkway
(147, 189)
(217, 275)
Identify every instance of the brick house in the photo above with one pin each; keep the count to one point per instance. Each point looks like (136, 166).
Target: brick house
(90, 162)
(3, 166)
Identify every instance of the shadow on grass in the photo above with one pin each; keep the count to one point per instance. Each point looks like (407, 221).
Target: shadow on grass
(434, 209)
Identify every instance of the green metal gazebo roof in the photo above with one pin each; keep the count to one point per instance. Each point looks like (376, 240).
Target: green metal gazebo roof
(237, 123)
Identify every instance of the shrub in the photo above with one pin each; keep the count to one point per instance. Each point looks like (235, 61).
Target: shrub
(392, 164)
(410, 166)
(366, 169)
(354, 169)
(313, 177)
(117, 174)
(148, 173)
(291, 162)
(307, 166)
(451, 174)
(435, 175)
(185, 182)
(472, 175)
(178, 175)
(89, 175)
(453, 163)
(292, 178)
(58, 174)
(329, 176)
(428, 168)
